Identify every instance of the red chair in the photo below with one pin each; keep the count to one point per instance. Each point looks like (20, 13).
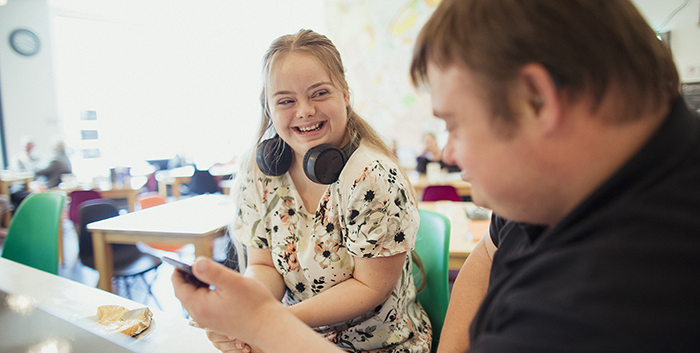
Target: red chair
(152, 199)
(76, 198)
(440, 193)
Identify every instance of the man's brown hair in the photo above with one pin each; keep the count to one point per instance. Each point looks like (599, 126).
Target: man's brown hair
(587, 46)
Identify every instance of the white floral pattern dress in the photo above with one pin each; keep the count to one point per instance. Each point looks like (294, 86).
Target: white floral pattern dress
(366, 213)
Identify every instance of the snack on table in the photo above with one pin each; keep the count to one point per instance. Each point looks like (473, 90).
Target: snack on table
(118, 319)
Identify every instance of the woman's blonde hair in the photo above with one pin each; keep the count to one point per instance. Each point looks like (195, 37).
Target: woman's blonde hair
(323, 49)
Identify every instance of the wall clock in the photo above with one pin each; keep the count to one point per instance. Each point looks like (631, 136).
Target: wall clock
(24, 42)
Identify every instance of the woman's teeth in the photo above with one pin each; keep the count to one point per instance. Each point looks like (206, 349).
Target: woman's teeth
(310, 128)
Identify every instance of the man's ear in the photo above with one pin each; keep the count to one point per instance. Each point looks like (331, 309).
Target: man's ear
(540, 96)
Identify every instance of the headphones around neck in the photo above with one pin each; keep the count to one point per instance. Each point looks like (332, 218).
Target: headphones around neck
(322, 164)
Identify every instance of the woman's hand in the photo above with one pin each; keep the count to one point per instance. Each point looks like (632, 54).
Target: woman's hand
(243, 308)
(227, 344)
(238, 307)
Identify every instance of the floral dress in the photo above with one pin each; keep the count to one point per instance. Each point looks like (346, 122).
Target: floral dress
(366, 213)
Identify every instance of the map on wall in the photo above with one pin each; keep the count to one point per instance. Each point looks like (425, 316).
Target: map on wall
(375, 39)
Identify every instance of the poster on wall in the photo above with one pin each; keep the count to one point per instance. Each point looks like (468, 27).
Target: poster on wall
(691, 94)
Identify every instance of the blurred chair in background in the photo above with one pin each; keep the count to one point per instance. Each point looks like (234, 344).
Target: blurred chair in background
(433, 248)
(76, 198)
(151, 199)
(202, 182)
(32, 238)
(440, 193)
(129, 260)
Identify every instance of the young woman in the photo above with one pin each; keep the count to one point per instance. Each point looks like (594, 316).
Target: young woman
(337, 254)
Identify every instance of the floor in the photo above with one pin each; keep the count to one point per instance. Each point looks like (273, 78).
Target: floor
(163, 297)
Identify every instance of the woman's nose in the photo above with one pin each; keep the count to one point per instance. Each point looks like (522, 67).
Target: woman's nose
(305, 109)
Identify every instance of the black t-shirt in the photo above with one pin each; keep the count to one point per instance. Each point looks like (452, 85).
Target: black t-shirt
(621, 273)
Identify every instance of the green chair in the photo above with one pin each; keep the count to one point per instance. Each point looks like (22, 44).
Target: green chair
(32, 238)
(433, 248)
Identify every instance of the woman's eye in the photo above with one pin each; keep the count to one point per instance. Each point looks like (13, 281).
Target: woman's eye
(285, 101)
(321, 93)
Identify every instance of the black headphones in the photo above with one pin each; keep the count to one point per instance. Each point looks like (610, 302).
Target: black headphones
(322, 164)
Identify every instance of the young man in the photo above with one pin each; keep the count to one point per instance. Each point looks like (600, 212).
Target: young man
(565, 116)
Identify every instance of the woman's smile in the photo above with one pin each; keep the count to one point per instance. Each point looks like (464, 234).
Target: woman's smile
(310, 129)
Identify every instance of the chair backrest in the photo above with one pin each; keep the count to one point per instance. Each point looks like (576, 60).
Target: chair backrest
(76, 198)
(93, 211)
(32, 238)
(440, 193)
(202, 182)
(433, 247)
(150, 199)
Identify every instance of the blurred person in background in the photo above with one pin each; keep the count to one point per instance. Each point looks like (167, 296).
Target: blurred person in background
(58, 166)
(432, 153)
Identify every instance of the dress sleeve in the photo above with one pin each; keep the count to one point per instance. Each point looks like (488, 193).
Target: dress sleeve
(382, 217)
(248, 227)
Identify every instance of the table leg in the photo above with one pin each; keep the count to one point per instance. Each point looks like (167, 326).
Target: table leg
(163, 189)
(176, 188)
(203, 248)
(104, 260)
(131, 200)
(5, 190)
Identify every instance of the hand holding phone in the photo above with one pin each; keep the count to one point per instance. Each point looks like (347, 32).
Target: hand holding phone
(186, 271)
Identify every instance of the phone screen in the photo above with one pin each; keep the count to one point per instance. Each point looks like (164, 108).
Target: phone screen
(186, 271)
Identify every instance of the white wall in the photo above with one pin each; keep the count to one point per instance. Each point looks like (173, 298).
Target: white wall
(29, 99)
(685, 31)
(27, 83)
(168, 76)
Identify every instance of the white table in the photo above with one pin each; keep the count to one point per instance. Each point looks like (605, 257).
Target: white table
(197, 220)
(464, 233)
(72, 301)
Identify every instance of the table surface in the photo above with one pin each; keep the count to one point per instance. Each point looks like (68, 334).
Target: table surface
(72, 301)
(197, 215)
(464, 232)
(197, 220)
(10, 176)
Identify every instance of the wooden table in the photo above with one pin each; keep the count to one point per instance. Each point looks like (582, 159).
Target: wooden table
(130, 193)
(454, 179)
(173, 177)
(464, 234)
(182, 175)
(197, 220)
(72, 301)
(9, 178)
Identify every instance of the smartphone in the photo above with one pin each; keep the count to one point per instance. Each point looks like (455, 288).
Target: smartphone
(186, 271)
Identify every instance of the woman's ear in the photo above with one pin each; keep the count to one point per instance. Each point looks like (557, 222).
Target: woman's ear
(346, 96)
(540, 95)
